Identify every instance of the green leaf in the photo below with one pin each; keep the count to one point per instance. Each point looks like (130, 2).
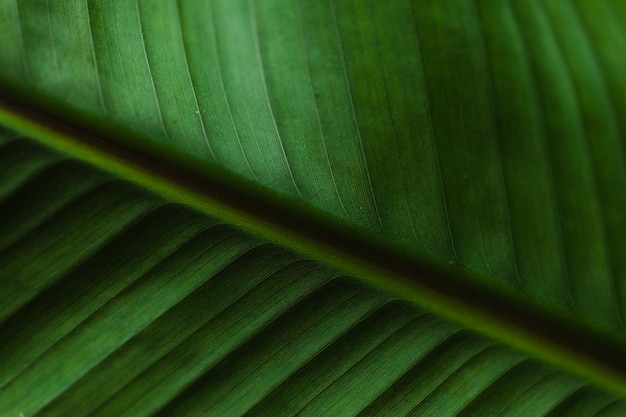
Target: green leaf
(136, 306)
(465, 155)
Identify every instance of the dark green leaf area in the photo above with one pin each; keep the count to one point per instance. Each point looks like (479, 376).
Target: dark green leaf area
(132, 306)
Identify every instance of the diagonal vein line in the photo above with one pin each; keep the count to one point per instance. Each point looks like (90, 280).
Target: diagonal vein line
(118, 50)
(613, 121)
(454, 337)
(218, 64)
(353, 113)
(457, 371)
(530, 327)
(595, 181)
(393, 124)
(572, 390)
(276, 316)
(436, 351)
(190, 78)
(321, 350)
(21, 36)
(301, 332)
(571, 396)
(171, 348)
(215, 316)
(360, 321)
(604, 411)
(96, 315)
(606, 91)
(493, 104)
(147, 62)
(257, 47)
(548, 151)
(433, 134)
(95, 60)
(621, 27)
(511, 398)
(77, 265)
(55, 59)
(323, 392)
(74, 203)
(298, 13)
(37, 176)
(42, 162)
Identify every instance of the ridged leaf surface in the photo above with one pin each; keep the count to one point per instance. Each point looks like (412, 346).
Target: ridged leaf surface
(484, 139)
(118, 303)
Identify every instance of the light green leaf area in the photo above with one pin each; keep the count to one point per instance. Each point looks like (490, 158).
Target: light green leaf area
(486, 137)
(115, 302)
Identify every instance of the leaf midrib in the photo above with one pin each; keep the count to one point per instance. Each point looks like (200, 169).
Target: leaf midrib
(574, 346)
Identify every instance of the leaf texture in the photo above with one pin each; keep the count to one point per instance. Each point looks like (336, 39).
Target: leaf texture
(347, 105)
(136, 306)
(485, 135)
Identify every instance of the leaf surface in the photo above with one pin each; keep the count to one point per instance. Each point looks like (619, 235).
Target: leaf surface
(155, 309)
(486, 136)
